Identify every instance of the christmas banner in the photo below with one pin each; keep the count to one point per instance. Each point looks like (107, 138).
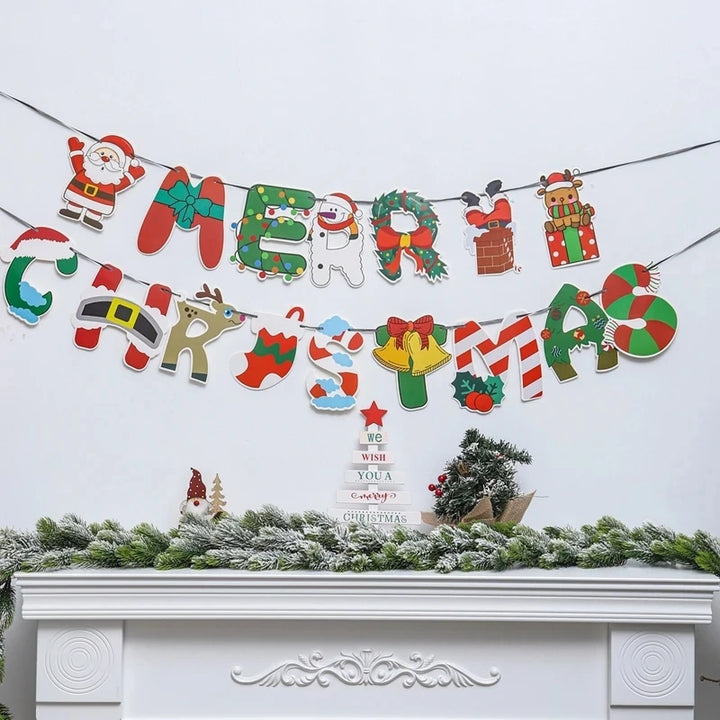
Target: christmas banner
(292, 233)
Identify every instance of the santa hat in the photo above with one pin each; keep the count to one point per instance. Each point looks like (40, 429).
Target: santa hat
(344, 201)
(197, 488)
(121, 146)
(42, 243)
(557, 180)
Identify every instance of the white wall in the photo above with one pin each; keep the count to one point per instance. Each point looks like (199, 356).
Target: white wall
(364, 98)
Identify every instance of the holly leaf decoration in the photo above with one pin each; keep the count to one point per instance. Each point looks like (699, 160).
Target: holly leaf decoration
(494, 388)
(466, 383)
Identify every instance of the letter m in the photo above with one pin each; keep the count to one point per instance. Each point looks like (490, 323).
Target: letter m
(496, 353)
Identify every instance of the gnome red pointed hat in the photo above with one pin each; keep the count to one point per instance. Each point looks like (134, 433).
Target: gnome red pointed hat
(197, 488)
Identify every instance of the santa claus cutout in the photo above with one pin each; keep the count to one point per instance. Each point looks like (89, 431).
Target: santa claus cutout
(107, 167)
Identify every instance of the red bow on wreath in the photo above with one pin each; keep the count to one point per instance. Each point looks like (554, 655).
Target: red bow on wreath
(388, 239)
(423, 326)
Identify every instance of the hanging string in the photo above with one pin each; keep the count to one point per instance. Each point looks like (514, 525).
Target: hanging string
(451, 198)
(493, 321)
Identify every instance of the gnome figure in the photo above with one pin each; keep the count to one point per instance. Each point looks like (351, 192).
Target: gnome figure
(196, 503)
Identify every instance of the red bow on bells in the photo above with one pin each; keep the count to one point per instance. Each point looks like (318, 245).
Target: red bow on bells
(423, 326)
(388, 239)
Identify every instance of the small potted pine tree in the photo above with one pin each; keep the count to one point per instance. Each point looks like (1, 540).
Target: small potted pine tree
(479, 484)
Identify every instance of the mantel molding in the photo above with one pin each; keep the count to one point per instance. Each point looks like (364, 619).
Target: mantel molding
(629, 594)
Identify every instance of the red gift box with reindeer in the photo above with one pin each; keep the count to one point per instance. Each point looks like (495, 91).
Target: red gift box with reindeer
(569, 231)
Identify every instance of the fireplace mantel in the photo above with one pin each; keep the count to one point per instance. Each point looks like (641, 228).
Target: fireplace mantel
(118, 644)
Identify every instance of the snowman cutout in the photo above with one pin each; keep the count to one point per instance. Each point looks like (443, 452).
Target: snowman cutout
(197, 503)
(336, 241)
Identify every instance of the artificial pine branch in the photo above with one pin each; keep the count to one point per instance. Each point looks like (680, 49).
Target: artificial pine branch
(271, 539)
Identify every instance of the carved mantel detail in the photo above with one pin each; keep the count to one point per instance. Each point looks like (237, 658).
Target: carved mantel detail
(366, 668)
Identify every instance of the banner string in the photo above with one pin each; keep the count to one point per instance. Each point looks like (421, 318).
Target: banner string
(451, 198)
(650, 266)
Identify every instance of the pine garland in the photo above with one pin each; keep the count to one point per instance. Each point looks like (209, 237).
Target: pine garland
(271, 539)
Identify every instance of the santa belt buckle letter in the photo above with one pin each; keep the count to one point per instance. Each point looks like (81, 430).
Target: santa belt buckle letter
(121, 313)
(90, 190)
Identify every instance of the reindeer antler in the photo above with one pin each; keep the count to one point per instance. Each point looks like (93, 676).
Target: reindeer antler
(543, 181)
(205, 293)
(568, 175)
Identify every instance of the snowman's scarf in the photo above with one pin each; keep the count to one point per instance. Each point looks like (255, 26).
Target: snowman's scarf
(335, 227)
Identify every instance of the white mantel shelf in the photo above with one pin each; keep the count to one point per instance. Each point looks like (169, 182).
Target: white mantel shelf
(622, 594)
(117, 644)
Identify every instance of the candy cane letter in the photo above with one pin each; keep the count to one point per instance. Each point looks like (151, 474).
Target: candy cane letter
(145, 324)
(275, 214)
(328, 349)
(180, 203)
(43, 243)
(642, 324)
(559, 342)
(482, 394)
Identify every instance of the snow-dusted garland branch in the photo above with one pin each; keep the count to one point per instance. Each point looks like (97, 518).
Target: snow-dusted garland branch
(271, 539)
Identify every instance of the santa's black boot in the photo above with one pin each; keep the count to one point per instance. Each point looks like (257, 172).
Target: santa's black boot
(70, 214)
(92, 222)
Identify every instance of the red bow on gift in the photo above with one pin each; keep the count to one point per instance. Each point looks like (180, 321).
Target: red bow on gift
(388, 239)
(397, 327)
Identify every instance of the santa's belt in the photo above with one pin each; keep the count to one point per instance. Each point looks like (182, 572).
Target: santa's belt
(122, 313)
(92, 190)
(493, 224)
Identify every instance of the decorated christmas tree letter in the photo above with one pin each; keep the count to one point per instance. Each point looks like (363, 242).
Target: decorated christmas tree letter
(145, 324)
(642, 324)
(417, 244)
(272, 358)
(328, 350)
(559, 342)
(336, 241)
(180, 203)
(482, 394)
(412, 349)
(374, 485)
(43, 243)
(275, 214)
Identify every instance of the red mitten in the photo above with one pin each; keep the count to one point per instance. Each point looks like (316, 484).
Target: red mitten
(75, 144)
(136, 171)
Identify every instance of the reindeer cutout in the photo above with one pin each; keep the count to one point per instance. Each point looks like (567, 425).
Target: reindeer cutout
(219, 318)
(569, 231)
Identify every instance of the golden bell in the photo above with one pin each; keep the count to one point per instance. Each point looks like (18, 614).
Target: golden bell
(425, 360)
(393, 357)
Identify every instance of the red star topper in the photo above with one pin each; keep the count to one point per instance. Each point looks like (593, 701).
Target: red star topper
(373, 415)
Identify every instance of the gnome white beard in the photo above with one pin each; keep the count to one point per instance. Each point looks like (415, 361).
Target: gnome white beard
(109, 173)
(196, 506)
